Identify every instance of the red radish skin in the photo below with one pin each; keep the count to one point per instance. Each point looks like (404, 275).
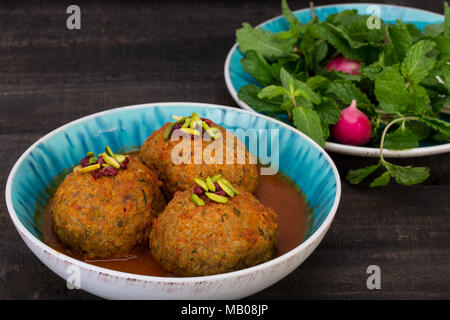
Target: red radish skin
(345, 65)
(353, 128)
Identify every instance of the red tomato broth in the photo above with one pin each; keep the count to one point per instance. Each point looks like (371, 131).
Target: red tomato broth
(277, 192)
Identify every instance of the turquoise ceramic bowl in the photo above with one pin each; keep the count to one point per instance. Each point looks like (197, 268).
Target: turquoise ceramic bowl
(236, 77)
(300, 158)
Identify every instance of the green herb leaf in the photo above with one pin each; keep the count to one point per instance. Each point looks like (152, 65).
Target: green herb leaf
(390, 90)
(328, 111)
(438, 124)
(264, 43)
(257, 67)
(296, 25)
(399, 42)
(357, 176)
(382, 180)
(401, 139)
(433, 30)
(307, 121)
(249, 95)
(271, 92)
(417, 62)
(345, 91)
(447, 20)
(318, 83)
(407, 175)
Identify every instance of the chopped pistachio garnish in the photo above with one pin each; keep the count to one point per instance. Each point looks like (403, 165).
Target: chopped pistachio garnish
(105, 164)
(120, 158)
(228, 184)
(216, 197)
(111, 161)
(108, 151)
(190, 131)
(197, 200)
(201, 183)
(194, 123)
(168, 130)
(210, 184)
(186, 123)
(205, 126)
(89, 168)
(214, 178)
(214, 133)
(226, 188)
(216, 188)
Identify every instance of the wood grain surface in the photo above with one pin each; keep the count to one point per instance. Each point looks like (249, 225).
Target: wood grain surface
(137, 52)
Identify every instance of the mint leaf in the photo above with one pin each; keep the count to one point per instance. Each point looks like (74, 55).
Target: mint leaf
(329, 114)
(271, 92)
(307, 121)
(447, 20)
(249, 95)
(420, 101)
(286, 78)
(345, 91)
(443, 46)
(418, 128)
(438, 124)
(296, 25)
(328, 111)
(401, 139)
(382, 180)
(371, 71)
(318, 83)
(257, 67)
(264, 43)
(357, 176)
(298, 87)
(302, 89)
(417, 63)
(441, 137)
(399, 41)
(407, 175)
(390, 90)
(433, 30)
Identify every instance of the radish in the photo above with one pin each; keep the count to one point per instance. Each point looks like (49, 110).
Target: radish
(345, 65)
(353, 127)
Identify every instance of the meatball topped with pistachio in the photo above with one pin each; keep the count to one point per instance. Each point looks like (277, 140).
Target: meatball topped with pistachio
(213, 231)
(234, 161)
(104, 208)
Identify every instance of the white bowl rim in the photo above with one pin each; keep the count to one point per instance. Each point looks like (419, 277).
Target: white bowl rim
(125, 275)
(334, 146)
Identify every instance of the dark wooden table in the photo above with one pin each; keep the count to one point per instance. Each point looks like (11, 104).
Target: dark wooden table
(157, 51)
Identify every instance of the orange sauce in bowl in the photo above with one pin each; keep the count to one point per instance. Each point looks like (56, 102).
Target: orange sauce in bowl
(276, 192)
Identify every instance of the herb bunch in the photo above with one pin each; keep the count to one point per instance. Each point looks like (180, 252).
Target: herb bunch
(403, 84)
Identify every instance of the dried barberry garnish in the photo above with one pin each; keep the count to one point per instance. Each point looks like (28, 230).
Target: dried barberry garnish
(124, 164)
(85, 161)
(109, 171)
(198, 190)
(97, 173)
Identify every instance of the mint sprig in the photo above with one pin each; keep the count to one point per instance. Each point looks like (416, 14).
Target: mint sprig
(402, 86)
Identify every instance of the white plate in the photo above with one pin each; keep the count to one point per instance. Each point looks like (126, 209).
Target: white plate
(388, 12)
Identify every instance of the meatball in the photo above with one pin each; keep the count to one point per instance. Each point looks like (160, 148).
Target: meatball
(108, 216)
(191, 240)
(156, 152)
